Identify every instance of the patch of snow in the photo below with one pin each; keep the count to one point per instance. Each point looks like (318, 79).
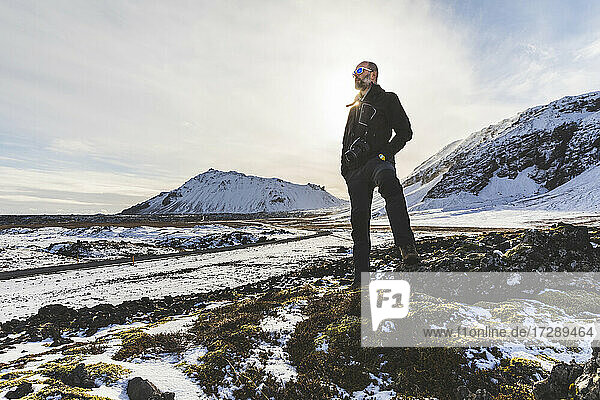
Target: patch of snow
(280, 327)
(373, 392)
(277, 363)
(24, 349)
(192, 355)
(514, 279)
(285, 320)
(323, 346)
(165, 375)
(582, 193)
(175, 324)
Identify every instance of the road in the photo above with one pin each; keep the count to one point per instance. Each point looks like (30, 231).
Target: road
(21, 297)
(143, 257)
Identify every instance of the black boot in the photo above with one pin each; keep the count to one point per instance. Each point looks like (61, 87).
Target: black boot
(409, 253)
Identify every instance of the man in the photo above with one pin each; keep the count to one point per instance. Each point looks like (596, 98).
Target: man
(368, 161)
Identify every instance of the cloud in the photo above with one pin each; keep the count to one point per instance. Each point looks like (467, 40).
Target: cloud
(70, 146)
(91, 92)
(590, 51)
(94, 190)
(40, 199)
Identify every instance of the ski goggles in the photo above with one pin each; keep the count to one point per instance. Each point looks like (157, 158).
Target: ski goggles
(360, 70)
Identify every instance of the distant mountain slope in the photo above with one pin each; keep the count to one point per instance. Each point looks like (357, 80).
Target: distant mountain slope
(527, 156)
(232, 192)
(580, 193)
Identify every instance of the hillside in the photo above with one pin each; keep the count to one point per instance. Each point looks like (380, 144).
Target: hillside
(233, 192)
(522, 161)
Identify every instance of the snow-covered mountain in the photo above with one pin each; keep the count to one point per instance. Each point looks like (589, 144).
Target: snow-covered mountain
(232, 192)
(546, 157)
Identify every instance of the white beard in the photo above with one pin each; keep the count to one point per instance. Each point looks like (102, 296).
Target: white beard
(361, 84)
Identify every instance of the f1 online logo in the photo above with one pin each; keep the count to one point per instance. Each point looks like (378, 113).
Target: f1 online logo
(388, 299)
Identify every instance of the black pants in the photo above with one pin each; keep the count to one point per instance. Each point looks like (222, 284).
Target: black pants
(361, 183)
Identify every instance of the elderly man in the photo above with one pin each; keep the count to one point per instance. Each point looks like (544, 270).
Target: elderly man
(368, 161)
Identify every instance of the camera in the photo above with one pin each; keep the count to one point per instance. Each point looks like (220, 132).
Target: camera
(360, 147)
(356, 151)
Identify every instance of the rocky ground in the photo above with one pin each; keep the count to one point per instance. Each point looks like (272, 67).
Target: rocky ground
(296, 336)
(76, 221)
(98, 249)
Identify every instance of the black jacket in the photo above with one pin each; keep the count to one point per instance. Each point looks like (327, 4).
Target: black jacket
(389, 115)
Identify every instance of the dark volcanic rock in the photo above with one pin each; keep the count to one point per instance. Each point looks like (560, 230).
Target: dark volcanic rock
(54, 332)
(71, 249)
(78, 377)
(562, 248)
(587, 386)
(55, 313)
(141, 389)
(21, 391)
(557, 385)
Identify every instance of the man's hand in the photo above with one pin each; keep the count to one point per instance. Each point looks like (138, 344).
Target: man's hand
(394, 147)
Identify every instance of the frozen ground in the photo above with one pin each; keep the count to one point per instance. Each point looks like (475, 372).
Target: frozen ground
(25, 248)
(167, 370)
(36, 247)
(455, 221)
(506, 218)
(191, 274)
(160, 369)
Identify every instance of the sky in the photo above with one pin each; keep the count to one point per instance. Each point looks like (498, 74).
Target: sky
(105, 104)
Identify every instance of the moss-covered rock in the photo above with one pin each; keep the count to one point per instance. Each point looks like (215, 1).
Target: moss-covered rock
(107, 373)
(230, 333)
(60, 367)
(10, 379)
(136, 342)
(97, 347)
(57, 389)
(328, 355)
